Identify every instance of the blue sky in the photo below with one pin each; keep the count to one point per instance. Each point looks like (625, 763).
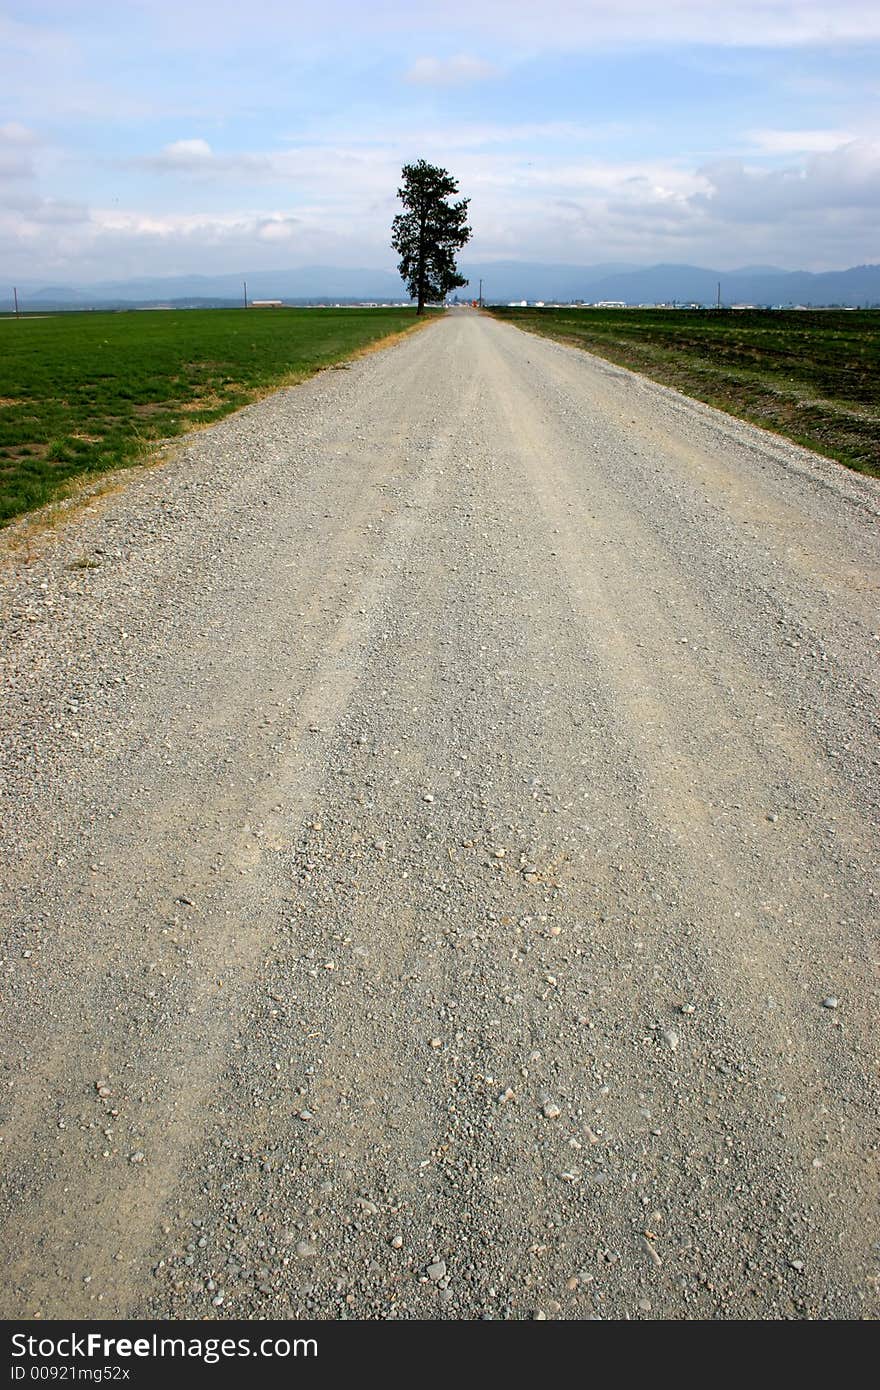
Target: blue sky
(152, 137)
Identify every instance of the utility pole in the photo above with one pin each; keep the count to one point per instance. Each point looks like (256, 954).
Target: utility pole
(481, 292)
(718, 299)
(15, 296)
(244, 282)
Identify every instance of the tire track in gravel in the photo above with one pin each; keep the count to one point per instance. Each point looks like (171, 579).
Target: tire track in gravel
(224, 859)
(686, 777)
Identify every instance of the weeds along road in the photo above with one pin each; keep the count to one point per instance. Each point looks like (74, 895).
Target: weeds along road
(439, 810)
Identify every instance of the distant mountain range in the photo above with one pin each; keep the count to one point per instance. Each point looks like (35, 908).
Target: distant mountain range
(681, 284)
(309, 284)
(502, 281)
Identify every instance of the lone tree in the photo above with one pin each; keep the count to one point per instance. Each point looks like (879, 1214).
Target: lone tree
(429, 231)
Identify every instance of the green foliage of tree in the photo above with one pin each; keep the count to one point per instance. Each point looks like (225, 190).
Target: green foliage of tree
(427, 234)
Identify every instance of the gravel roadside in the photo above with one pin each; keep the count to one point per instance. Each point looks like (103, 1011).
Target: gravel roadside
(438, 819)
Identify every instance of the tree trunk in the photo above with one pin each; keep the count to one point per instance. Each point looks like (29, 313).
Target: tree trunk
(421, 297)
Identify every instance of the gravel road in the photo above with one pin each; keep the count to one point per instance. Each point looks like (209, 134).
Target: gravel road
(439, 808)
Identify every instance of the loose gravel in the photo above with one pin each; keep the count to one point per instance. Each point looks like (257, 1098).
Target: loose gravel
(438, 818)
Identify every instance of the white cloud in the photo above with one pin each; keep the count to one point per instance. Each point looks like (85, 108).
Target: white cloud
(279, 228)
(14, 166)
(748, 23)
(14, 133)
(462, 135)
(111, 243)
(818, 211)
(30, 212)
(16, 143)
(826, 184)
(797, 141)
(187, 151)
(450, 72)
(588, 216)
(217, 25)
(196, 158)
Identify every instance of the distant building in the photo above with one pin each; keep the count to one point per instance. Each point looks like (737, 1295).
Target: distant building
(611, 304)
(266, 303)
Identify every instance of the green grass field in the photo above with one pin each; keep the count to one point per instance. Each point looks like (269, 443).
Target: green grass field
(84, 392)
(813, 377)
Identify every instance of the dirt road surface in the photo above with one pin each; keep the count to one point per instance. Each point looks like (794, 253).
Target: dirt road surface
(439, 810)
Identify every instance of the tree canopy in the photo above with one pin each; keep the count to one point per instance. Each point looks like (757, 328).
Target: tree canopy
(429, 232)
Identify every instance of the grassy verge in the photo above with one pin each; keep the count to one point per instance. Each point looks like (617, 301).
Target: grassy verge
(84, 393)
(812, 377)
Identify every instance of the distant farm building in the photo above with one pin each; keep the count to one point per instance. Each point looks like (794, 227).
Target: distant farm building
(266, 303)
